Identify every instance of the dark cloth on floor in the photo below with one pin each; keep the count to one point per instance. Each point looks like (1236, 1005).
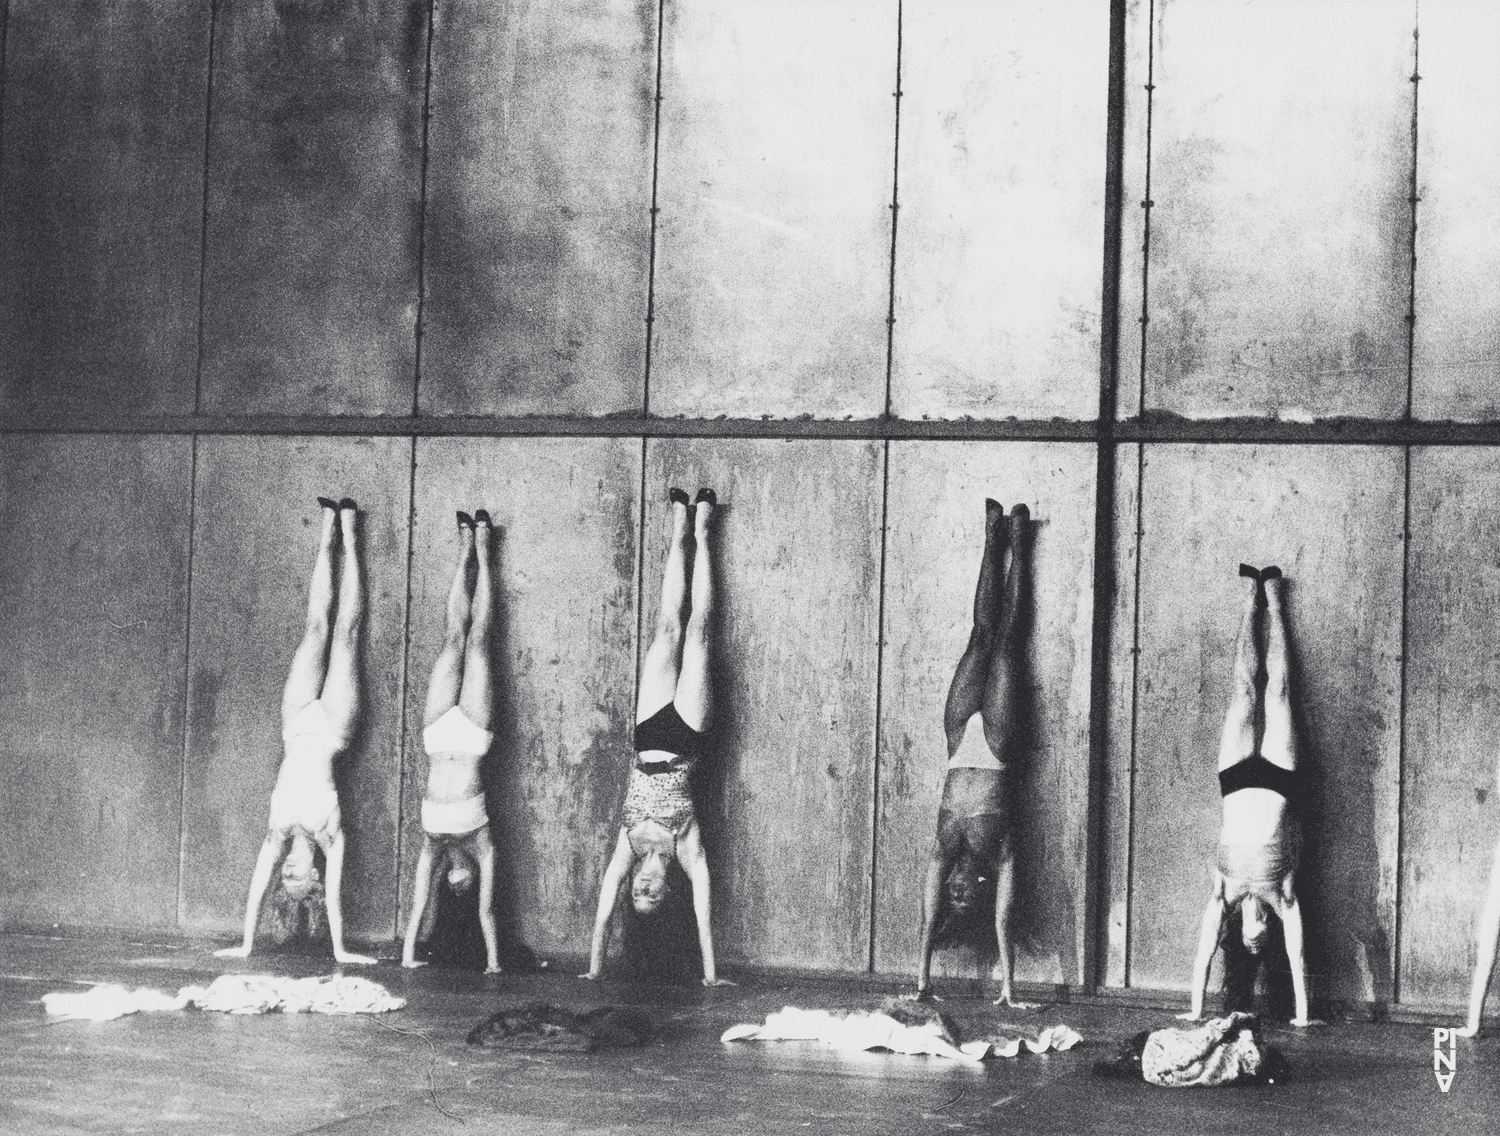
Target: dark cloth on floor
(1222, 1051)
(544, 1026)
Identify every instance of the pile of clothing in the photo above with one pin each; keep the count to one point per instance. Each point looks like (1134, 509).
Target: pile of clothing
(229, 994)
(899, 1026)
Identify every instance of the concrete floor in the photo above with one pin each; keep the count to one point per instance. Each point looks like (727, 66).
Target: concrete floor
(206, 1073)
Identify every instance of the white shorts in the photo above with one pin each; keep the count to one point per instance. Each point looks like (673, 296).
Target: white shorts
(455, 818)
(455, 732)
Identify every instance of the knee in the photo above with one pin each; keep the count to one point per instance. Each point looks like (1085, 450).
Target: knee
(669, 630)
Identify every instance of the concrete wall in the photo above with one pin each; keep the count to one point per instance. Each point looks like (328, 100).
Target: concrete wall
(547, 259)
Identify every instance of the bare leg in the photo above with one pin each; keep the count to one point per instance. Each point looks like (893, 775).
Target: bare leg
(1004, 971)
(305, 679)
(1279, 745)
(1237, 742)
(477, 698)
(999, 688)
(484, 853)
(272, 849)
(1487, 933)
(341, 685)
(966, 692)
(422, 896)
(693, 698)
(448, 670)
(1208, 943)
(333, 854)
(659, 667)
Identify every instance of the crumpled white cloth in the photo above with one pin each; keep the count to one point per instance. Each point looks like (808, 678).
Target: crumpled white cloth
(106, 1002)
(231, 994)
(860, 1030)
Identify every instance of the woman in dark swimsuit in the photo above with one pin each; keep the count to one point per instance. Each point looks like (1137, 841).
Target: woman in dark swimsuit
(1259, 842)
(672, 711)
(975, 853)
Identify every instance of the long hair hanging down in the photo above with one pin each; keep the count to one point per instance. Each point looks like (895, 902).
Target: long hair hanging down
(973, 925)
(302, 904)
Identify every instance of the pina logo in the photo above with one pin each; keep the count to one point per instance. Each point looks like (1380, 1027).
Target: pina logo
(1444, 1059)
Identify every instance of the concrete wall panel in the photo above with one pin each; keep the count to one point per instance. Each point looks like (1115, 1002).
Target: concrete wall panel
(774, 183)
(935, 535)
(785, 799)
(1281, 231)
(999, 264)
(101, 198)
(310, 285)
(1332, 518)
(1456, 350)
(254, 541)
(93, 612)
(538, 208)
(567, 512)
(1450, 818)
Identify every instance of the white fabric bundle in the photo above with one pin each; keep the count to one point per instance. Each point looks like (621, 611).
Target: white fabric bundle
(230, 994)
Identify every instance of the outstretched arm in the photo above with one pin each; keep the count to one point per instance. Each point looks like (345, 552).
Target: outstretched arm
(334, 855)
(1487, 932)
(1291, 928)
(695, 863)
(1005, 877)
(1208, 942)
(609, 892)
(932, 898)
(420, 898)
(486, 858)
(266, 863)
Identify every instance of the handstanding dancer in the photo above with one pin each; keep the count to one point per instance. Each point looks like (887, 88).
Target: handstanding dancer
(1487, 934)
(319, 709)
(1260, 841)
(975, 855)
(672, 712)
(460, 708)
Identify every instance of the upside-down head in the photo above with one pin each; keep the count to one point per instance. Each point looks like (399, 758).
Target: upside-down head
(648, 884)
(461, 871)
(298, 872)
(968, 895)
(1253, 926)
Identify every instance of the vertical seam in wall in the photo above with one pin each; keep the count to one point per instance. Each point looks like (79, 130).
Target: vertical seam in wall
(885, 501)
(403, 698)
(1135, 690)
(661, 8)
(640, 578)
(416, 377)
(1146, 206)
(4, 59)
(187, 683)
(208, 118)
(1095, 921)
(1411, 319)
(895, 210)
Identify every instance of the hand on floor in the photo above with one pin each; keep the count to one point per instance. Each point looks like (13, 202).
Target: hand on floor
(346, 956)
(1468, 1031)
(233, 953)
(412, 964)
(1007, 1000)
(1189, 1017)
(718, 982)
(1306, 1023)
(493, 969)
(592, 976)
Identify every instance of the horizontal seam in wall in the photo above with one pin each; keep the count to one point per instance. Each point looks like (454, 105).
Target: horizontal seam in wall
(1345, 431)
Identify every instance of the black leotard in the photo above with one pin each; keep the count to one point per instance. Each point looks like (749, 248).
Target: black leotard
(1258, 773)
(667, 732)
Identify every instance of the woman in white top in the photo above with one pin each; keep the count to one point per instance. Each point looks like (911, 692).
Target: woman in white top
(319, 710)
(460, 711)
